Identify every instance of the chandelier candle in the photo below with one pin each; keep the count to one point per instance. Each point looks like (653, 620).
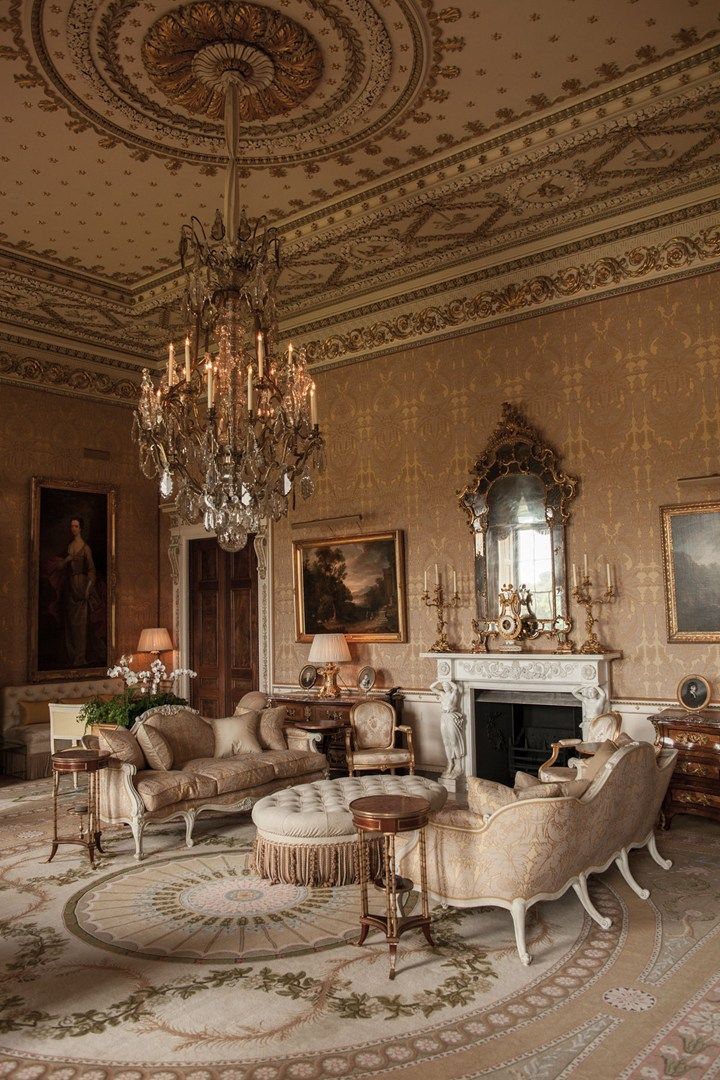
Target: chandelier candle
(240, 459)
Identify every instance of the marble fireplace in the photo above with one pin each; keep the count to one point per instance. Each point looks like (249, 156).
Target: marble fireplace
(498, 692)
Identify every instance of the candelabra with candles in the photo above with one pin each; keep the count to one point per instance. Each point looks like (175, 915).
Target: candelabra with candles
(440, 604)
(583, 595)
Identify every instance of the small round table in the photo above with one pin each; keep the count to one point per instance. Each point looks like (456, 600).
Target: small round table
(389, 815)
(80, 760)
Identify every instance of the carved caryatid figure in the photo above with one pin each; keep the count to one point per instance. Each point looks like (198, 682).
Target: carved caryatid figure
(452, 726)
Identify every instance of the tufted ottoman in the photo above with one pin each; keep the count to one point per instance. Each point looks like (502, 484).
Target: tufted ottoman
(305, 834)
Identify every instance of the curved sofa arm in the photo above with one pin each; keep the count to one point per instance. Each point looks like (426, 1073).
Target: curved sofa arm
(119, 798)
(297, 739)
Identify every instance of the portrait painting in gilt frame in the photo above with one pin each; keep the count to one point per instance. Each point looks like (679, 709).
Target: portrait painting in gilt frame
(352, 585)
(691, 560)
(72, 580)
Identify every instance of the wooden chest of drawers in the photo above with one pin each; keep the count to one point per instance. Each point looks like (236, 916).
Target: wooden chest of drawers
(695, 784)
(310, 707)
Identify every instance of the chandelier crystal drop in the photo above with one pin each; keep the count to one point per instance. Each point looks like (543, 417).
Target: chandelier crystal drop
(231, 430)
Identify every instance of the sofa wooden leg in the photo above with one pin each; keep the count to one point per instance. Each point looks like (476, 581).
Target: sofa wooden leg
(580, 887)
(623, 864)
(655, 854)
(189, 824)
(138, 827)
(517, 910)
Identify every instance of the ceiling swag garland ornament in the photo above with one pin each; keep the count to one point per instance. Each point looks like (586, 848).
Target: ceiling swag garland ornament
(233, 432)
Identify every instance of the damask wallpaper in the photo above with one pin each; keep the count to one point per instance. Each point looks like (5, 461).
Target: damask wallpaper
(45, 434)
(627, 391)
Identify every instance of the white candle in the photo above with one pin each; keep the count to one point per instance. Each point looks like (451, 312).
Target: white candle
(171, 364)
(437, 575)
(425, 581)
(313, 405)
(250, 389)
(454, 583)
(260, 354)
(609, 579)
(188, 372)
(209, 370)
(574, 570)
(585, 565)
(290, 353)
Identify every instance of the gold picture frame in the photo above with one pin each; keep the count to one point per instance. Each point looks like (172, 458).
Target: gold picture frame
(691, 540)
(354, 585)
(71, 616)
(689, 695)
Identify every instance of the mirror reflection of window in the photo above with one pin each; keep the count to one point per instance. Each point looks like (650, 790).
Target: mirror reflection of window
(519, 541)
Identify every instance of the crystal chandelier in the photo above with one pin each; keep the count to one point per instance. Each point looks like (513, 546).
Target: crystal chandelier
(232, 431)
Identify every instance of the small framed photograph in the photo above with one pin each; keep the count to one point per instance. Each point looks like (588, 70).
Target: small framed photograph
(308, 677)
(693, 692)
(366, 679)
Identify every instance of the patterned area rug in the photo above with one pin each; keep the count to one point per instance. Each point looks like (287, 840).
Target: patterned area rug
(188, 967)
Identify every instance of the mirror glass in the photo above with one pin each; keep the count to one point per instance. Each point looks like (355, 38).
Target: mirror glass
(517, 504)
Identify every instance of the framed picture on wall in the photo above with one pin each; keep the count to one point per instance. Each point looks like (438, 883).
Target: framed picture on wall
(691, 560)
(71, 618)
(353, 586)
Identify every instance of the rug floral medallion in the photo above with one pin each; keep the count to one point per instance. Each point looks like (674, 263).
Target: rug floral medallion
(187, 966)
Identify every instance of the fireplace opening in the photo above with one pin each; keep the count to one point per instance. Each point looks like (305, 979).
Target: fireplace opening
(515, 730)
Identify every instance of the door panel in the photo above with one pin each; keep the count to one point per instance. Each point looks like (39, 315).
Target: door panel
(223, 626)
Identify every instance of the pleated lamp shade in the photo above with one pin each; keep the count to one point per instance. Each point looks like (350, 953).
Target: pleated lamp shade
(155, 639)
(329, 649)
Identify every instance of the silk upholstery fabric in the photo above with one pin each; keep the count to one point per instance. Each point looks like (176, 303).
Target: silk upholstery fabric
(236, 734)
(155, 747)
(188, 734)
(122, 744)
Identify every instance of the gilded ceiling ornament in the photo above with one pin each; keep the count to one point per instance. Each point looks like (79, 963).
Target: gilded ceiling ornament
(190, 53)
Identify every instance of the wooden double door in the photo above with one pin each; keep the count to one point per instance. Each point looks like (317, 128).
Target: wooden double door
(223, 626)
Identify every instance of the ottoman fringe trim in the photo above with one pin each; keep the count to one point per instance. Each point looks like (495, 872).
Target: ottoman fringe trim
(310, 864)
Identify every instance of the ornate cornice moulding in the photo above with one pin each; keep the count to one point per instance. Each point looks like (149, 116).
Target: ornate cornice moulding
(48, 375)
(639, 267)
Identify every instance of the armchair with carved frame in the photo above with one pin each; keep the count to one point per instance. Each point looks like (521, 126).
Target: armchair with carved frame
(370, 739)
(603, 727)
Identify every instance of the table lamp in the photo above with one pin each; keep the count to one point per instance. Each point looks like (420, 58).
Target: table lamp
(155, 639)
(329, 650)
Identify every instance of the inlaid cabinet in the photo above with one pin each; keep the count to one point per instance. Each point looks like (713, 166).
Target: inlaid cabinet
(695, 784)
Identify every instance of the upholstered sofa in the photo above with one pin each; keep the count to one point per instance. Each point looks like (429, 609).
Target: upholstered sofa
(541, 842)
(175, 764)
(25, 717)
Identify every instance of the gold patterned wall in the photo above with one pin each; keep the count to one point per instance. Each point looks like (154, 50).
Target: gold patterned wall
(625, 388)
(45, 434)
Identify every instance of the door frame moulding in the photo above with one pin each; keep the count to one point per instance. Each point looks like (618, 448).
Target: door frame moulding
(179, 555)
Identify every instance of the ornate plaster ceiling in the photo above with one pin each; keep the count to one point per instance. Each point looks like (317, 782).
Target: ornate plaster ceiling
(405, 148)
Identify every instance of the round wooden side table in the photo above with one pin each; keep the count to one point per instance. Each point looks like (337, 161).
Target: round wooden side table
(79, 760)
(390, 815)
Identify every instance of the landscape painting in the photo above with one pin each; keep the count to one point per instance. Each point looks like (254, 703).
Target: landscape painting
(691, 552)
(352, 586)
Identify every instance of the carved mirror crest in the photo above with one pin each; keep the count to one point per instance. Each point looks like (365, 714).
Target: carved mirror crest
(518, 503)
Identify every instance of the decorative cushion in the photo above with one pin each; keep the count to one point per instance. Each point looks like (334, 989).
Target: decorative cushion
(155, 747)
(485, 796)
(160, 789)
(588, 768)
(542, 791)
(188, 735)
(622, 739)
(525, 780)
(256, 701)
(288, 763)
(568, 785)
(272, 724)
(236, 734)
(34, 712)
(122, 744)
(233, 773)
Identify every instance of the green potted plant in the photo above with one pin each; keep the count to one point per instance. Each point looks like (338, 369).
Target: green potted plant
(143, 690)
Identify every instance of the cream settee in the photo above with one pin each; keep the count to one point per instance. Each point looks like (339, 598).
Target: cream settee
(169, 767)
(535, 848)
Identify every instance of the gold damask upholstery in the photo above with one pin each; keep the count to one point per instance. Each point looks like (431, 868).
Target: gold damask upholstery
(534, 849)
(370, 739)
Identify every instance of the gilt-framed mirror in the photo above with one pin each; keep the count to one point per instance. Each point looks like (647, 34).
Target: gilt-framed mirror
(518, 504)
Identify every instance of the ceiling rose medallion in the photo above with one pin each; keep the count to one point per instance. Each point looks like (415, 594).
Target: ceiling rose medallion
(191, 52)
